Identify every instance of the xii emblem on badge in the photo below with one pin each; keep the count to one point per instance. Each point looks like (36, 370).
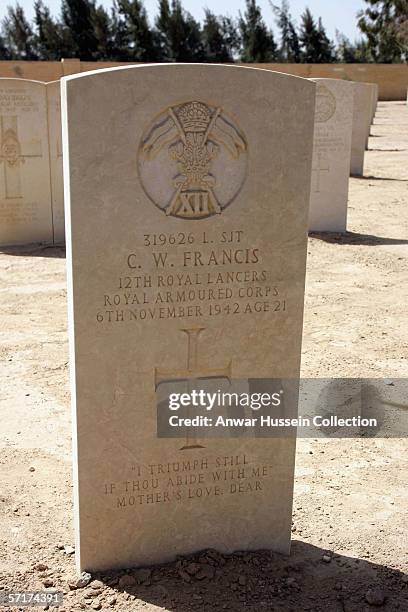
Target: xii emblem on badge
(192, 160)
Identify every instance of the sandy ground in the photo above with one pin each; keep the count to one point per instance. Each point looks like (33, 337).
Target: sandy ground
(350, 509)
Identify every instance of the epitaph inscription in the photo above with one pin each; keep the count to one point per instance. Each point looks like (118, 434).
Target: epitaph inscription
(188, 481)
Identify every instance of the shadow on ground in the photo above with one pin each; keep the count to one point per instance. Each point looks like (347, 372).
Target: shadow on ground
(377, 178)
(355, 238)
(309, 579)
(34, 250)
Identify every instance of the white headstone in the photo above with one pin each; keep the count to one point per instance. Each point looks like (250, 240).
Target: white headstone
(374, 101)
(361, 126)
(187, 191)
(331, 155)
(55, 139)
(25, 193)
(371, 111)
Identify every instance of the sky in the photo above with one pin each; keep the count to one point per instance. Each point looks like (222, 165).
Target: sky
(336, 14)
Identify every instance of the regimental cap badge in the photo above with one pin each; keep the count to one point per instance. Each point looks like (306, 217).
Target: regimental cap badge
(10, 149)
(199, 155)
(325, 104)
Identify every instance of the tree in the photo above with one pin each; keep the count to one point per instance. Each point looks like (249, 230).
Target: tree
(18, 35)
(289, 47)
(385, 23)
(349, 53)
(258, 44)
(4, 52)
(88, 31)
(327, 47)
(308, 37)
(103, 31)
(79, 35)
(135, 40)
(48, 37)
(178, 34)
(315, 44)
(220, 38)
(120, 50)
(163, 27)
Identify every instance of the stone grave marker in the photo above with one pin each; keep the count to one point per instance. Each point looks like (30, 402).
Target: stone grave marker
(331, 155)
(374, 101)
(56, 170)
(371, 111)
(25, 193)
(187, 205)
(361, 126)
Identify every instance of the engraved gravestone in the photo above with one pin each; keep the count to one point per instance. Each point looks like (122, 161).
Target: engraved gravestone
(331, 156)
(55, 147)
(361, 126)
(370, 114)
(187, 204)
(374, 101)
(25, 195)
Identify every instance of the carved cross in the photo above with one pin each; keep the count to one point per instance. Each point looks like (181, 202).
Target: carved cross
(318, 170)
(191, 373)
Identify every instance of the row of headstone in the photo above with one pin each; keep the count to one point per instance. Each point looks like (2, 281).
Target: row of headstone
(188, 194)
(31, 180)
(343, 115)
(31, 183)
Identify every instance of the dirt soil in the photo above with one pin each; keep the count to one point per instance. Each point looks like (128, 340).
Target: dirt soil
(349, 548)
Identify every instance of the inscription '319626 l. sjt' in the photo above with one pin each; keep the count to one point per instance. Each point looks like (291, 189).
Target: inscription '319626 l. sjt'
(192, 160)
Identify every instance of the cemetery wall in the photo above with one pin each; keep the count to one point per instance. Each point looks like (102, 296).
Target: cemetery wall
(392, 79)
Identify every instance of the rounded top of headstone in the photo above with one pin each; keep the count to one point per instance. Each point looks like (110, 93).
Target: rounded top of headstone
(175, 66)
(16, 80)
